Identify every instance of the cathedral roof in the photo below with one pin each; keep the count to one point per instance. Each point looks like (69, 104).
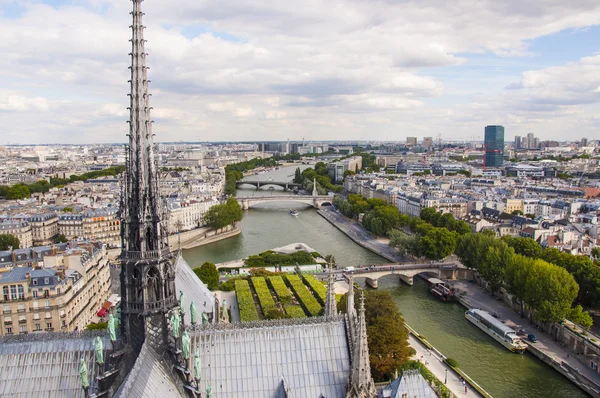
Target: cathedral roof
(150, 377)
(46, 365)
(251, 360)
(193, 290)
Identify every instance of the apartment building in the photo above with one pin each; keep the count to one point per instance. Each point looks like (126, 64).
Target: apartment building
(19, 228)
(44, 228)
(71, 226)
(102, 225)
(63, 295)
(189, 214)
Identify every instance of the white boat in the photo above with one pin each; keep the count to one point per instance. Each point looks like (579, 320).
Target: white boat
(497, 330)
(293, 212)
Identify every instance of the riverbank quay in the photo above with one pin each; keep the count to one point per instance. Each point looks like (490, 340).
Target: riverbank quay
(546, 348)
(434, 361)
(201, 236)
(360, 236)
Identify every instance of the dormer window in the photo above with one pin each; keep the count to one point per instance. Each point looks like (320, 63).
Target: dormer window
(34, 281)
(46, 281)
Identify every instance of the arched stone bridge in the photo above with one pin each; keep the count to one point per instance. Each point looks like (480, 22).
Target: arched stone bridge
(314, 201)
(405, 272)
(259, 184)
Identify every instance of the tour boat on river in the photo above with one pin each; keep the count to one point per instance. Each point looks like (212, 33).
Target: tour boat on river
(440, 290)
(293, 212)
(497, 330)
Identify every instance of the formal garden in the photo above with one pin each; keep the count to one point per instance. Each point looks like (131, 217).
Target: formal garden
(279, 295)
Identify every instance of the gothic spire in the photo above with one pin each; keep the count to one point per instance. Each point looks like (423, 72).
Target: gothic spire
(142, 209)
(147, 274)
(330, 303)
(361, 383)
(315, 192)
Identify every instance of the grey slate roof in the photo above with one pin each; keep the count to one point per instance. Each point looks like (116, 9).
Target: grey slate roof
(412, 383)
(45, 367)
(149, 378)
(241, 361)
(193, 290)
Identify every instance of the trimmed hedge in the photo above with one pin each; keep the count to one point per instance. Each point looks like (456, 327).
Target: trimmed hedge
(294, 311)
(281, 290)
(267, 304)
(317, 287)
(245, 301)
(269, 258)
(305, 298)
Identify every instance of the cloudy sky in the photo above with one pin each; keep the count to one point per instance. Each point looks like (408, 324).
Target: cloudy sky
(313, 69)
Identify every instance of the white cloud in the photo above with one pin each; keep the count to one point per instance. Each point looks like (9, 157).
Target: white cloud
(315, 68)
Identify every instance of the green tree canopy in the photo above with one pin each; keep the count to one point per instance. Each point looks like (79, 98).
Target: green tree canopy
(208, 274)
(386, 334)
(581, 317)
(438, 243)
(222, 215)
(9, 240)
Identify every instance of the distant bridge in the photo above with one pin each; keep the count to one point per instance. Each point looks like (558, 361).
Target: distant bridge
(259, 184)
(405, 272)
(314, 201)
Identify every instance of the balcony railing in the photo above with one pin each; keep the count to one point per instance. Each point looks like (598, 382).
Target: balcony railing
(21, 310)
(149, 306)
(146, 255)
(22, 320)
(49, 329)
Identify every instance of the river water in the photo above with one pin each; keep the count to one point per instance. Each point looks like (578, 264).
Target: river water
(500, 372)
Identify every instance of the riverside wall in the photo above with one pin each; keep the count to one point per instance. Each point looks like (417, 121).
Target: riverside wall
(356, 239)
(201, 236)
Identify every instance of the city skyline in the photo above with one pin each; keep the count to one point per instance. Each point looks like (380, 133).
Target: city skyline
(268, 72)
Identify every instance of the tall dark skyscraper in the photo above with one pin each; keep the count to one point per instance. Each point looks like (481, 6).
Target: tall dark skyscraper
(494, 146)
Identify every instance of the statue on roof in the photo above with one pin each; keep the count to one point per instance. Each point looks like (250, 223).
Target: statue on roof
(204, 318)
(181, 302)
(83, 374)
(209, 391)
(193, 313)
(197, 365)
(175, 321)
(185, 345)
(99, 348)
(111, 327)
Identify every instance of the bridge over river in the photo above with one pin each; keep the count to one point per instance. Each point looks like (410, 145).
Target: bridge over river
(405, 271)
(262, 184)
(315, 201)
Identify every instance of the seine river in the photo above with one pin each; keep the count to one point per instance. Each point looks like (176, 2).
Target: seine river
(500, 372)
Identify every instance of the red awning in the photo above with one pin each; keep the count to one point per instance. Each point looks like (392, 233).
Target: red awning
(107, 305)
(102, 312)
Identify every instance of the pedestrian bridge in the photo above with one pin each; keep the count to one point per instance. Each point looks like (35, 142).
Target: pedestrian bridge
(314, 201)
(405, 272)
(262, 184)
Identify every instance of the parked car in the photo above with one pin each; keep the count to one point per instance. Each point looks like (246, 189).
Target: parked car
(521, 332)
(531, 337)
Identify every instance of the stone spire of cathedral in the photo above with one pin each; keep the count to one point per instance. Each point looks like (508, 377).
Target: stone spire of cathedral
(361, 383)
(147, 274)
(315, 192)
(330, 302)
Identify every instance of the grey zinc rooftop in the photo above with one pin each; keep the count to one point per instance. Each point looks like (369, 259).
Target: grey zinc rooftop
(33, 366)
(193, 290)
(15, 275)
(310, 356)
(149, 378)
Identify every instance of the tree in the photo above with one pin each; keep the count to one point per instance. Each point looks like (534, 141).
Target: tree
(596, 252)
(406, 244)
(552, 292)
(494, 264)
(60, 238)
(581, 317)
(67, 209)
(321, 168)
(18, 191)
(9, 240)
(222, 215)
(386, 335)
(524, 246)
(208, 274)
(298, 176)
(517, 213)
(439, 243)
